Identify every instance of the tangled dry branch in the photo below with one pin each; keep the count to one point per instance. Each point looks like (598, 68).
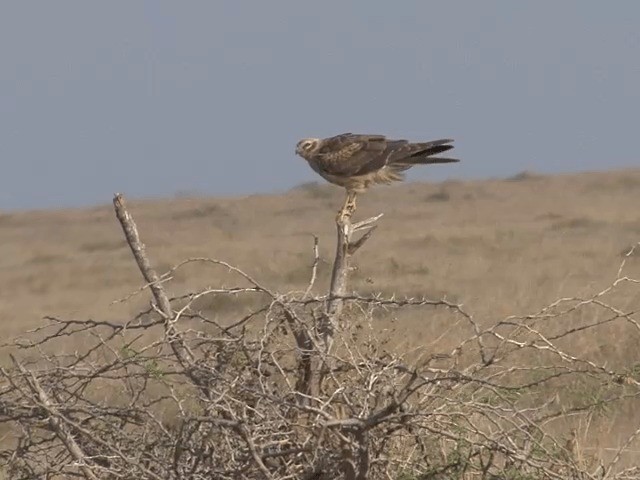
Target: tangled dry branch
(305, 387)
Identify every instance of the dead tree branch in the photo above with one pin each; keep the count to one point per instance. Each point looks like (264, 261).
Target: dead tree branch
(345, 248)
(55, 421)
(151, 277)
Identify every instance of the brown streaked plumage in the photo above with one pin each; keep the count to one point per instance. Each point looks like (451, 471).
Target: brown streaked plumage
(356, 161)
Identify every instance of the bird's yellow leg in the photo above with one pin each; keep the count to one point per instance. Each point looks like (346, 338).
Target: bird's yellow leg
(351, 202)
(349, 206)
(344, 210)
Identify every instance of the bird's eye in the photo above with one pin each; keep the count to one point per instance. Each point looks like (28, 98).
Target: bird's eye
(308, 145)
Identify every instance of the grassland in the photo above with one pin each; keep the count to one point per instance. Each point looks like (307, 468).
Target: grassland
(500, 247)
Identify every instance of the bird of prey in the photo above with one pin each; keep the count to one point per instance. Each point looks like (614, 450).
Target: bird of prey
(357, 161)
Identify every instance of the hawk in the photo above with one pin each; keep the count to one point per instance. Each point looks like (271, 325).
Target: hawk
(356, 161)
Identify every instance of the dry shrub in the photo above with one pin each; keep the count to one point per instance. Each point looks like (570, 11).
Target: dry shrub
(289, 391)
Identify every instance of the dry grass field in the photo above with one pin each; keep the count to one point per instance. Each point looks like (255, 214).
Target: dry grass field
(499, 247)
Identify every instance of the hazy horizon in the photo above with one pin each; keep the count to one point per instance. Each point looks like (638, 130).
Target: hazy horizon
(156, 98)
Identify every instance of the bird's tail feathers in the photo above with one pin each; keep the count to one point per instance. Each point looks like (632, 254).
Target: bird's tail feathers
(426, 149)
(407, 163)
(430, 160)
(422, 154)
(434, 143)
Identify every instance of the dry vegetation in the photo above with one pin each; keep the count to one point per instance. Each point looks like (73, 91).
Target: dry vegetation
(503, 249)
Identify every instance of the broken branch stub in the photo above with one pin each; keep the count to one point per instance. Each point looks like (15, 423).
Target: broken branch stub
(346, 246)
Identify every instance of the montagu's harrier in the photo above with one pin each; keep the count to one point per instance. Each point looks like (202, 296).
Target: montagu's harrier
(356, 161)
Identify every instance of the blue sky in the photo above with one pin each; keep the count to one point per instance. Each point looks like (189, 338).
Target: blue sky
(151, 98)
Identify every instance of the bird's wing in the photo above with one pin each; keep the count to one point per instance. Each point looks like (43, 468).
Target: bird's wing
(351, 154)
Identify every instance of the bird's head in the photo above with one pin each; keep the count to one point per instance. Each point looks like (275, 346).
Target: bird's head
(307, 147)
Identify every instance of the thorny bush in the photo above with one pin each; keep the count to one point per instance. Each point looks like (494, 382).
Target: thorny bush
(175, 394)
